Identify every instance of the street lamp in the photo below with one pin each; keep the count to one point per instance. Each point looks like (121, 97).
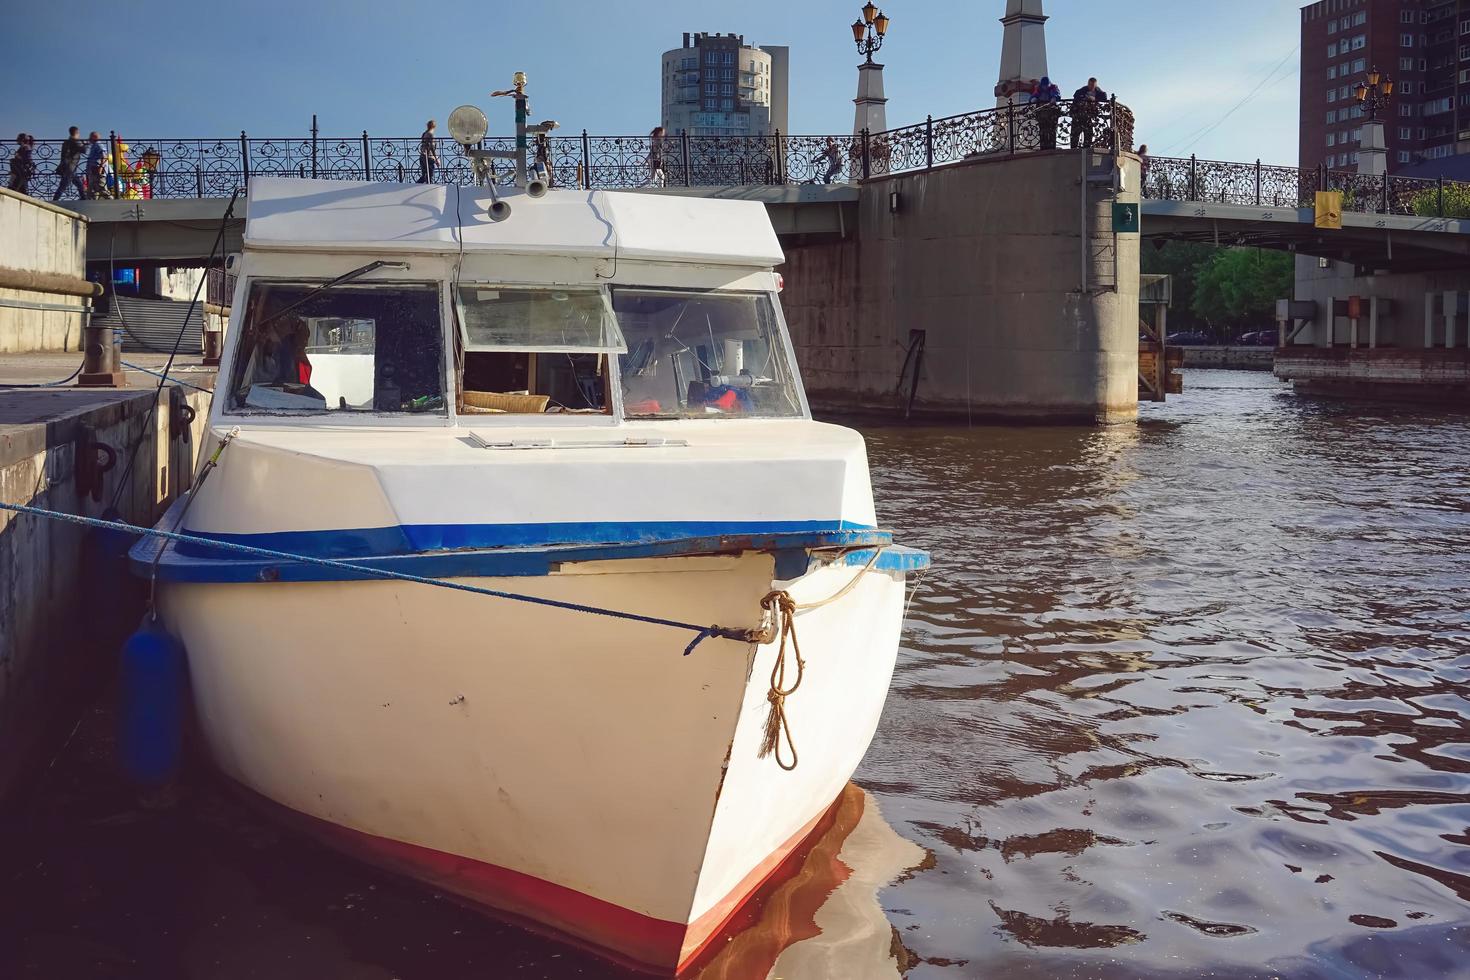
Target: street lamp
(869, 30)
(1374, 92)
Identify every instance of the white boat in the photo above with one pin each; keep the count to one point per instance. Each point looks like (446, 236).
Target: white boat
(593, 402)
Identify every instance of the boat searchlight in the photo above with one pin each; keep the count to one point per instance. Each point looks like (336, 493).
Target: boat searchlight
(468, 125)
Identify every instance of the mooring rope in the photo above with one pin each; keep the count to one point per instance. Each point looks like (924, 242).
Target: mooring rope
(761, 634)
(158, 374)
(780, 607)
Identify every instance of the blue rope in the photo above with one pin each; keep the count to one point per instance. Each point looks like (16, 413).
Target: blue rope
(702, 633)
(177, 381)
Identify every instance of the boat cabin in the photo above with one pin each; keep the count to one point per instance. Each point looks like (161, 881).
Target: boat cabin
(384, 303)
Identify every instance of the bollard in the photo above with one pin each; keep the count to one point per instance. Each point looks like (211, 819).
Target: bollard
(213, 346)
(101, 362)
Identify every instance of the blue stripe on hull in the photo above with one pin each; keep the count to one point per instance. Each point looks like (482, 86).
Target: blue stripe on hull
(791, 544)
(417, 538)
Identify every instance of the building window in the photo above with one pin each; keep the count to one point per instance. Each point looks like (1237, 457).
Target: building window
(1331, 72)
(1360, 65)
(1403, 156)
(709, 104)
(1359, 42)
(1332, 95)
(1331, 139)
(1361, 17)
(1331, 117)
(1405, 133)
(1465, 52)
(1406, 64)
(1405, 41)
(1354, 159)
(1405, 109)
(727, 89)
(1332, 50)
(727, 104)
(1406, 16)
(1332, 26)
(1422, 64)
(729, 57)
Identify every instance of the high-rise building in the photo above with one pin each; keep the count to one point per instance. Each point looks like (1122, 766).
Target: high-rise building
(1423, 45)
(717, 85)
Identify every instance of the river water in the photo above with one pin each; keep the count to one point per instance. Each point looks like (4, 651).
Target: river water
(1178, 699)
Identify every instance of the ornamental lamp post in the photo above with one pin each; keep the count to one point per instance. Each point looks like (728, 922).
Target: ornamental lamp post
(868, 32)
(1373, 92)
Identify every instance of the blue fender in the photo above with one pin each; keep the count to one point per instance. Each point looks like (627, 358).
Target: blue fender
(152, 691)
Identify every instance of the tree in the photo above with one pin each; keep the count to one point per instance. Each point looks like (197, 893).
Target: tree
(1240, 286)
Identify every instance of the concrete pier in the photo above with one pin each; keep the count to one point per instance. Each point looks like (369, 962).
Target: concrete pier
(66, 599)
(999, 282)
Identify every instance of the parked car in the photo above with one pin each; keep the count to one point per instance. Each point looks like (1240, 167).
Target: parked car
(1258, 338)
(1190, 338)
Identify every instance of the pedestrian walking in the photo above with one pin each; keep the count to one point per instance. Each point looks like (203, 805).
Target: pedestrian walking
(428, 154)
(66, 168)
(22, 164)
(96, 167)
(1143, 170)
(1046, 100)
(656, 156)
(1087, 104)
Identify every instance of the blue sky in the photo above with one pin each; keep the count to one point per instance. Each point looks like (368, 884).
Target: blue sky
(174, 69)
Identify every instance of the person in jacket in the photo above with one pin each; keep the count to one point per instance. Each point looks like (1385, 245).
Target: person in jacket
(1087, 104)
(96, 167)
(22, 164)
(66, 168)
(1046, 100)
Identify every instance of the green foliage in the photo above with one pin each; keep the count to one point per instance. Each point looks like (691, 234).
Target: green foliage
(1222, 290)
(1456, 201)
(1240, 286)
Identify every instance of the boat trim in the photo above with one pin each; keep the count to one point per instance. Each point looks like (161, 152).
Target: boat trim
(518, 550)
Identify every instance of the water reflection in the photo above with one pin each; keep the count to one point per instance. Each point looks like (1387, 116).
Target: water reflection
(1186, 696)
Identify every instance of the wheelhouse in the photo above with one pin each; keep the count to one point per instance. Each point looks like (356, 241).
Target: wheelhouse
(467, 322)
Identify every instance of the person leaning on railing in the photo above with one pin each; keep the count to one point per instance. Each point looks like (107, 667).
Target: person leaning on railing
(1087, 102)
(22, 164)
(1046, 100)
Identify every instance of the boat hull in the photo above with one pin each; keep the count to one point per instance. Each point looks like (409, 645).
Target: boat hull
(570, 771)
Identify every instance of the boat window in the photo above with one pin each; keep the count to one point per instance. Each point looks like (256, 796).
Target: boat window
(703, 354)
(348, 348)
(533, 350)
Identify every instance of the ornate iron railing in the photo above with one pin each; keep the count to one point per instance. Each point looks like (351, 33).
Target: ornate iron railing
(1266, 186)
(178, 168)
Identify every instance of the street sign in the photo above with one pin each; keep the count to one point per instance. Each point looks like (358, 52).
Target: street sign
(1125, 218)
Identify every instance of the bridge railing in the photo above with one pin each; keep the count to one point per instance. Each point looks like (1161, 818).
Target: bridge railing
(1269, 186)
(181, 168)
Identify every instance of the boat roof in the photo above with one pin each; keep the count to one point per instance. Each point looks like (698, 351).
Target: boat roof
(336, 215)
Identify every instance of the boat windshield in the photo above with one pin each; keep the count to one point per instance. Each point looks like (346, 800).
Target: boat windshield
(703, 354)
(350, 348)
(533, 350)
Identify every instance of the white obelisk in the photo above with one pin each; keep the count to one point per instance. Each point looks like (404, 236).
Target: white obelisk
(1022, 53)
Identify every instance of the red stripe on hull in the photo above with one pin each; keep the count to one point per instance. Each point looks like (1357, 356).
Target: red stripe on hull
(607, 928)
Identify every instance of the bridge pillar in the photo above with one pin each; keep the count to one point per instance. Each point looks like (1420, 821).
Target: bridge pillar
(1022, 51)
(872, 112)
(1373, 151)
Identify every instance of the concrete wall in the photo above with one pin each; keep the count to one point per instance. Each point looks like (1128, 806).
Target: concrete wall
(1230, 358)
(36, 236)
(66, 601)
(1402, 327)
(987, 258)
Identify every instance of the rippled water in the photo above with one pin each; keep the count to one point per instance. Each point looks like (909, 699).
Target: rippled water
(1183, 698)
(1188, 695)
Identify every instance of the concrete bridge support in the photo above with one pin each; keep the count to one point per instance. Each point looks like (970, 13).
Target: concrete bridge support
(985, 290)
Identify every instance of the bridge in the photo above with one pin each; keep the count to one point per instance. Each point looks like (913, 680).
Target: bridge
(169, 196)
